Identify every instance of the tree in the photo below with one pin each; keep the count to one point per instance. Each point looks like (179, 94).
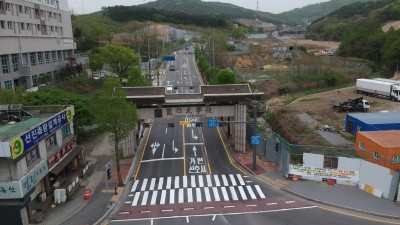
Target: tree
(120, 59)
(238, 32)
(95, 62)
(224, 77)
(136, 79)
(115, 116)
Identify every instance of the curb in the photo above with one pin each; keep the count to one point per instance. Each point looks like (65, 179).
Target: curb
(341, 206)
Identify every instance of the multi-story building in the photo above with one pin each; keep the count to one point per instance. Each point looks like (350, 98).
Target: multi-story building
(36, 40)
(40, 163)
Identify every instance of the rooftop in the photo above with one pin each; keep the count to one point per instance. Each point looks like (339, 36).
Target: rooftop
(9, 129)
(387, 139)
(377, 118)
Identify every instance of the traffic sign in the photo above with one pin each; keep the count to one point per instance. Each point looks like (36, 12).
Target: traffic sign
(169, 58)
(184, 122)
(255, 139)
(212, 123)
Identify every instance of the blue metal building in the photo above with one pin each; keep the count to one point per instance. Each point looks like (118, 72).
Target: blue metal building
(372, 121)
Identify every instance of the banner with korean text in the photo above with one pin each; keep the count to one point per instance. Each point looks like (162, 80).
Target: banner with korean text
(347, 176)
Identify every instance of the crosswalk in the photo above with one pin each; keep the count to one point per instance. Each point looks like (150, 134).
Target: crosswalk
(191, 189)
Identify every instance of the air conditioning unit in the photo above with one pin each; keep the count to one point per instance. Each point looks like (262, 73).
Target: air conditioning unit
(42, 196)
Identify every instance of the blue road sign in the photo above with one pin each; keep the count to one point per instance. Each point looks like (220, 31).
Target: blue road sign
(169, 58)
(212, 123)
(255, 140)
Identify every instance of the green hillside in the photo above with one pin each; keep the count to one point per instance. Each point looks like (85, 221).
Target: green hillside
(349, 17)
(313, 12)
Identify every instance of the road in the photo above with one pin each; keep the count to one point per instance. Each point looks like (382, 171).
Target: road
(186, 176)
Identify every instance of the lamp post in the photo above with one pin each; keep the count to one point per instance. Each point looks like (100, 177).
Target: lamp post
(254, 133)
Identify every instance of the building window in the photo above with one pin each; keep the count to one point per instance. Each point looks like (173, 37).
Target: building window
(4, 63)
(59, 56)
(37, 12)
(14, 62)
(376, 154)
(1, 6)
(51, 28)
(66, 131)
(27, 10)
(40, 57)
(2, 24)
(50, 142)
(47, 57)
(35, 80)
(8, 6)
(22, 26)
(28, 26)
(61, 31)
(20, 8)
(53, 56)
(396, 159)
(32, 156)
(8, 85)
(361, 145)
(10, 25)
(44, 30)
(32, 57)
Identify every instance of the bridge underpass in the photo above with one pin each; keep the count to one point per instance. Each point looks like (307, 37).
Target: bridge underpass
(223, 102)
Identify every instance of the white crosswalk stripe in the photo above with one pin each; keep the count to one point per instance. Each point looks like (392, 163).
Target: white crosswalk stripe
(193, 188)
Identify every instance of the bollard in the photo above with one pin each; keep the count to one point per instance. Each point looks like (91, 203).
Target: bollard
(115, 190)
(86, 194)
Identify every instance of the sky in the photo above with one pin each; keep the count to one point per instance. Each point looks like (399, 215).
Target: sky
(272, 6)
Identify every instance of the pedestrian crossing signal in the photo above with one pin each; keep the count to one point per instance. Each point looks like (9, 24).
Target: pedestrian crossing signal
(198, 124)
(108, 173)
(171, 125)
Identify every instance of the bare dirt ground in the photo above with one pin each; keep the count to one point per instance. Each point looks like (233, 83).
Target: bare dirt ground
(313, 44)
(394, 24)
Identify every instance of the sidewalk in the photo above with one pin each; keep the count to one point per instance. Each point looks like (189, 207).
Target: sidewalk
(342, 196)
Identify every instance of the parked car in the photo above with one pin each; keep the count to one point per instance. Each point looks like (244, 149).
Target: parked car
(172, 68)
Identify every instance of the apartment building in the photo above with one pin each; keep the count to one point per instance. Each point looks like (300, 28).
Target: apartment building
(35, 41)
(40, 162)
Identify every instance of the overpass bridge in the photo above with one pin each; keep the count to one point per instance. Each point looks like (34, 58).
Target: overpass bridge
(224, 102)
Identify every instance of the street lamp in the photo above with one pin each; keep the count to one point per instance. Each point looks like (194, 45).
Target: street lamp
(254, 131)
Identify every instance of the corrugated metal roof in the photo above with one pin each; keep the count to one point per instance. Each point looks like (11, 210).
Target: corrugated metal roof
(377, 118)
(387, 139)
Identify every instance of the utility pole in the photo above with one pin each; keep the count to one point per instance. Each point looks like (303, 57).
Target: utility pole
(254, 133)
(213, 53)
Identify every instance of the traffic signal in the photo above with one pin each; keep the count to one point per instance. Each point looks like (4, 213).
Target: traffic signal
(108, 173)
(171, 124)
(199, 124)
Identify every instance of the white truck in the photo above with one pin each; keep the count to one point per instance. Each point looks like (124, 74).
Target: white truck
(382, 88)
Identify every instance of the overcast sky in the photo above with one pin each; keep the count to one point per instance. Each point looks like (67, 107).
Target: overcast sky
(273, 6)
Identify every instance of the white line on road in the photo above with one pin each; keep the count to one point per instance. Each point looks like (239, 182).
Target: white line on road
(187, 219)
(216, 195)
(181, 196)
(163, 195)
(123, 213)
(225, 181)
(251, 192)
(163, 150)
(214, 217)
(242, 193)
(186, 209)
(251, 205)
(225, 194)
(176, 181)
(172, 196)
(194, 143)
(167, 210)
(207, 194)
(152, 184)
(201, 183)
(166, 130)
(198, 195)
(233, 179)
(209, 207)
(241, 181)
(193, 180)
(154, 198)
(144, 199)
(144, 185)
(164, 159)
(136, 199)
(168, 183)
(145, 211)
(216, 179)
(272, 203)
(160, 183)
(190, 195)
(233, 192)
(289, 202)
(229, 206)
(185, 184)
(135, 184)
(260, 192)
(209, 183)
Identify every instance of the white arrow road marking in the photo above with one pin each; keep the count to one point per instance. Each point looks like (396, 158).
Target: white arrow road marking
(154, 147)
(195, 150)
(175, 149)
(163, 150)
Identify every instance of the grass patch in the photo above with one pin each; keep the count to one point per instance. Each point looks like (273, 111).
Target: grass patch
(309, 99)
(324, 89)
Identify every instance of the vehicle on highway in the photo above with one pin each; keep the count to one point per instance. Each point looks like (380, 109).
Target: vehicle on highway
(172, 68)
(379, 88)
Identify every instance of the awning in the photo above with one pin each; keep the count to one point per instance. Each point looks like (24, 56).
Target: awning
(66, 160)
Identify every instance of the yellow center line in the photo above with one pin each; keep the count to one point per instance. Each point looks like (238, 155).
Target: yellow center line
(145, 146)
(184, 150)
(227, 154)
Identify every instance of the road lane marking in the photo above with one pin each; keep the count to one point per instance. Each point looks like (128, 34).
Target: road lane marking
(144, 199)
(260, 192)
(225, 181)
(145, 211)
(163, 197)
(163, 150)
(201, 183)
(184, 150)
(229, 206)
(225, 194)
(185, 184)
(166, 130)
(233, 179)
(216, 194)
(209, 183)
(290, 202)
(233, 192)
(216, 179)
(123, 213)
(240, 178)
(167, 210)
(194, 143)
(135, 184)
(181, 198)
(144, 185)
(136, 199)
(251, 205)
(242, 193)
(272, 203)
(164, 159)
(186, 209)
(198, 195)
(160, 183)
(187, 219)
(176, 181)
(152, 184)
(214, 217)
(251, 192)
(193, 180)
(172, 196)
(209, 207)
(168, 183)
(190, 195)
(207, 194)
(154, 198)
